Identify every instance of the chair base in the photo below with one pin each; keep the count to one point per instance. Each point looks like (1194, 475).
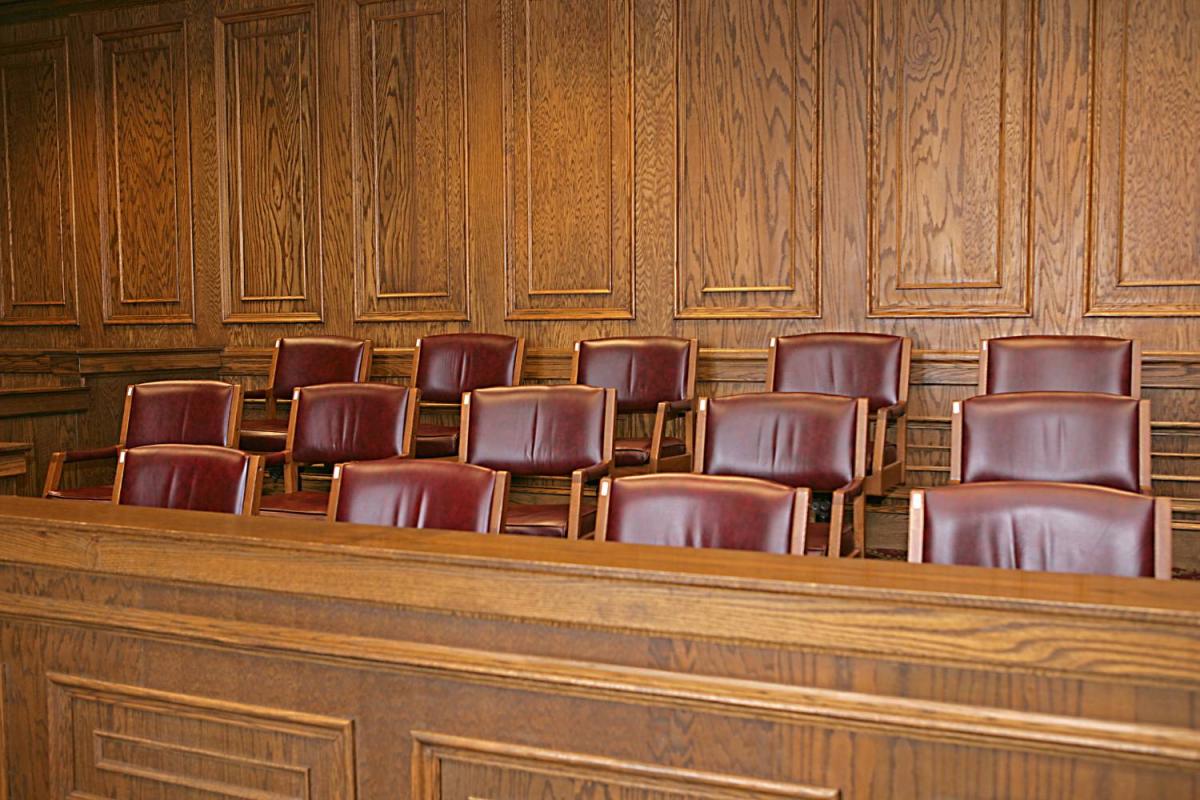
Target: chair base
(879, 482)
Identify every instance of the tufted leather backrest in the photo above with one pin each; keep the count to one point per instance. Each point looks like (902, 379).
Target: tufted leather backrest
(453, 363)
(182, 412)
(866, 365)
(794, 438)
(1060, 364)
(416, 494)
(187, 477)
(644, 370)
(538, 430)
(338, 422)
(682, 510)
(1051, 527)
(310, 360)
(1071, 437)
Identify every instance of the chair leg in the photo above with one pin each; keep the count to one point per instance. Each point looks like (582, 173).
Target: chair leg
(836, 517)
(54, 473)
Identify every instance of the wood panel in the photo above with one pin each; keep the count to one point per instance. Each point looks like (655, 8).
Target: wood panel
(569, 210)
(37, 219)
(1144, 250)
(748, 222)
(145, 176)
(952, 123)
(266, 86)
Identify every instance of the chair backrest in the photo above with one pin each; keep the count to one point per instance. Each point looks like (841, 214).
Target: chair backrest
(538, 430)
(447, 365)
(1069, 437)
(338, 422)
(644, 370)
(191, 477)
(682, 510)
(311, 360)
(181, 412)
(406, 493)
(1060, 364)
(870, 365)
(813, 440)
(1050, 527)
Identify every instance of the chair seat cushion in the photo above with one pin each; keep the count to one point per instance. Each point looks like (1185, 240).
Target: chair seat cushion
(436, 441)
(636, 452)
(101, 494)
(306, 504)
(264, 435)
(546, 520)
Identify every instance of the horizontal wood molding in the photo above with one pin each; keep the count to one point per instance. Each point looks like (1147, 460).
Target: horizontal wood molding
(41, 401)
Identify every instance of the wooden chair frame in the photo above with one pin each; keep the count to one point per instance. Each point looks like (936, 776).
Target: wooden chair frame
(1144, 458)
(1135, 368)
(853, 491)
(801, 498)
(364, 373)
(1162, 533)
(497, 513)
(883, 476)
(580, 477)
(254, 483)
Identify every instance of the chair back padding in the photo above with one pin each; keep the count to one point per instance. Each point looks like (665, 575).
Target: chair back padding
(310, 360)
(793, 438)
(1059, 364)
(852, 364)
(1069, 437)
(452, 363)
(180, 412)
(186, 477)
(536, 430)
(416, 494)
(349, 422)
(684, 510)
(1051, 527)
(644, 370)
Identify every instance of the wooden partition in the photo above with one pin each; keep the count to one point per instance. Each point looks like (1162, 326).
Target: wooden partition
(150, 653)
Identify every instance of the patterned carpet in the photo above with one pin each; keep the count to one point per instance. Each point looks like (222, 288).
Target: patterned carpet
(886, 554)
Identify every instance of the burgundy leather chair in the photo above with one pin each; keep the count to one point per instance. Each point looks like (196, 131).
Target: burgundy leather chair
(651, 375)
(547, 432)
(1067, 437)
(449, 365)
(814, 441)
(191, 477)
(302, 361)
(159, 412)
(1051, 527)
(405, 493)
(682, 510)
(1060, 364)
(871, 365)
(338, 422)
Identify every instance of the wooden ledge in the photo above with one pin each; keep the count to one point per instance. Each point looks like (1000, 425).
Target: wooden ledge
(43, 400)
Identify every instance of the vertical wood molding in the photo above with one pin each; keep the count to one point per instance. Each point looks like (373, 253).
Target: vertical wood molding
(269, 153)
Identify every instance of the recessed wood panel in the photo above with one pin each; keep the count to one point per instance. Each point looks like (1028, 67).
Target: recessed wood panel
(951, 134)
(569, 153)
(1144, 248)
(37, 219)
(410, 134)
(270, 171)
(145, 175)
(749, 159)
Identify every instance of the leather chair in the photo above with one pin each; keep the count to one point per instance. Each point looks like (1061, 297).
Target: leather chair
(871, 365)
(191, 477)
(1067, 437)
(159, 412)
(651, 375)
(1051, 527)
(703, 511)
(338, 422)
(545, 432)
(448, 365)
(1060, 364)
(405, 493)
(814, 441)
(296, 362)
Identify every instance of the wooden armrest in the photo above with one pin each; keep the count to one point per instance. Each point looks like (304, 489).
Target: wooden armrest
(852, 489)
(594, 473)
(254, 394)
(98, 454)
(896, 410)
(275, 459)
